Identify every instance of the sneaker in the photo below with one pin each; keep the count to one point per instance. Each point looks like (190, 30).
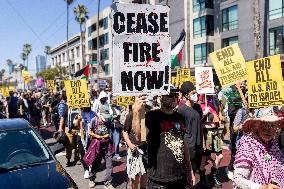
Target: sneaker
(86, 174)
(230, 175)
(92, 184)
(120, 145)
(117, 157)
(108, 186)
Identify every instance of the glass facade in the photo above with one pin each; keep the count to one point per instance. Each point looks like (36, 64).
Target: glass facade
(203, 26)
(199, 5)
(229, 41)
(230, 18)
(201, 52)
(276, 9)
(104, 55)
(276, 40)
(105, 22)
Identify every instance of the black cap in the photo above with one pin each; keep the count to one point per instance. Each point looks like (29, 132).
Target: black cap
(186, 88)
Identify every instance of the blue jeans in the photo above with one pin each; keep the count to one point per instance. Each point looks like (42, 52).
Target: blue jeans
(116, 136)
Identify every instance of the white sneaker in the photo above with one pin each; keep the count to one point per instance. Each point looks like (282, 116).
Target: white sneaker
(92, 184)
(120, 145)
(230, 175)
(117, 157)
(86, 174)
(109, 186)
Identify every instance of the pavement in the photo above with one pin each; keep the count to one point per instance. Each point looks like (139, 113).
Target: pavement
(119, 167)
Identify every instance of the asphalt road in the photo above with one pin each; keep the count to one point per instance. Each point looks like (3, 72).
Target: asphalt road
(119, 168)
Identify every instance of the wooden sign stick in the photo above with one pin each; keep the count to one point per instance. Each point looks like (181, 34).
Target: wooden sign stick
(242, 96)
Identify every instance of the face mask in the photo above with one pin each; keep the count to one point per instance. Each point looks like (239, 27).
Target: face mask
(194, 97)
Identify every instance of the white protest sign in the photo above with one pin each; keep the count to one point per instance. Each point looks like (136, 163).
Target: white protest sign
(134, 73)
(204, 80)
(145, 19)
(141, 49)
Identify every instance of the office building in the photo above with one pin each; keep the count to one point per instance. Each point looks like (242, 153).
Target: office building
(58, 54)
(40, 63)
(211, 25)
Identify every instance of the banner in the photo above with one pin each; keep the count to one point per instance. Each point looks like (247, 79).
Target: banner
(125, 100)
(229, 64)
(204, 80)
(265, 82)
(26, 76)
(50, 85)
(141, 49)
(77, 93)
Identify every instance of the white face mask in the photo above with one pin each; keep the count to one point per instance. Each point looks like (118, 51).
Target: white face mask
(194, 97)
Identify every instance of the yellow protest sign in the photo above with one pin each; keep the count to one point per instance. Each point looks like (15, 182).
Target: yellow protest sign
(183, 75)
(125, 100)
(265, 82)
(50, 85)
(5, 91)
(229, 64)
(77, 93)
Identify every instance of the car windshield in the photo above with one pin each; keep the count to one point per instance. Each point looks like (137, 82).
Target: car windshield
(21, 148)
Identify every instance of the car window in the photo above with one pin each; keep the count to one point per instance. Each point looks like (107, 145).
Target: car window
(21, 147)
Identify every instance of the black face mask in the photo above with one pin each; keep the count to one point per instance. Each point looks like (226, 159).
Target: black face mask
(87, 109)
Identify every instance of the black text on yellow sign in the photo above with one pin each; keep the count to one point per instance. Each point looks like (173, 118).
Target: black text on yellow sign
(125, 100)
(229, 64)
(77, 93)
(265, 82)
(50, 85)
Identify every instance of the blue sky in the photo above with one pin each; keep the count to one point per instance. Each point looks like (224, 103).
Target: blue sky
(38, 22)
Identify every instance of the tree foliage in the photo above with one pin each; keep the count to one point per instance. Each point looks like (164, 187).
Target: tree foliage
(52, 73)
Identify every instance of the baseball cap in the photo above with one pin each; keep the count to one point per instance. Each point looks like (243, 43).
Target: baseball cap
(187, 87)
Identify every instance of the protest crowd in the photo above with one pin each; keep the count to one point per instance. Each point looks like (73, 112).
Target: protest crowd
(184, 129)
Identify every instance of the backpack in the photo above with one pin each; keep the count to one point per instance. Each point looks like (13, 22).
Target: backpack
(71, 118)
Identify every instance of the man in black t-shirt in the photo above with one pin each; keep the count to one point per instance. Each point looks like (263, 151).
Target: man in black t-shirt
(168, 155)
(192, 122)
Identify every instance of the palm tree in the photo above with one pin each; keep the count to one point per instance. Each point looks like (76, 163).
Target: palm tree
(27, 50)
(24, 58)
(2, 74)
(46, 51)
(81, 16)
(68, 3)
(9, 63)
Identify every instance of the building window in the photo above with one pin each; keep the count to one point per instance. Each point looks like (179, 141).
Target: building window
(230, 18)
(77, 52)
(72, 54)
(106, 69)
(105, 22)
(201, 52)
(103, 39)
(199, 5)
(101, 23)
(104, 54)
(276, 40)
(92, 44)
(73, 68)
(229, 41)
(276, 9)
(78, 66)
(91, 29)
(94, 70)
(203, 26)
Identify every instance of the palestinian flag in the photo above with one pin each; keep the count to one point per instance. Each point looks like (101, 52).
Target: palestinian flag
(176, 52)
(83, 73)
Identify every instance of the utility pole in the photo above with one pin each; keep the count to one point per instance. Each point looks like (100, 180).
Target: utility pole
(98, 43)
(67, 41)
